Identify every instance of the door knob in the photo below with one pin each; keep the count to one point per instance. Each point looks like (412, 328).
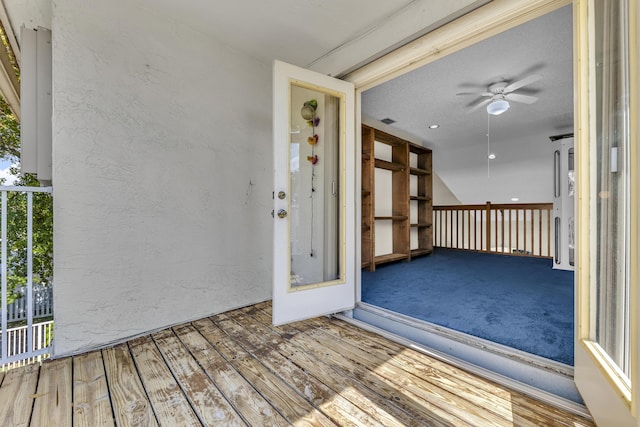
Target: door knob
(282, 213)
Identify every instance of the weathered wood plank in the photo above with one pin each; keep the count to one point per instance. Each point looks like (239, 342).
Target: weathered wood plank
(130, 404)
(53, 399)
(389, 409)
(339, 409)
(91, 404)
(209, 404)
(482, 392)
(293, 406)
(166, 397)
(245, 399)
(368, 362)
(423, 410)
(420, 387)
(312, 373)
(16, 395)
(497, 399)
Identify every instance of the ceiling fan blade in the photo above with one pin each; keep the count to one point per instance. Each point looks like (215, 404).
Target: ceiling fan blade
(523, 82)
(518, 97)
(476, 93)
(478, 105)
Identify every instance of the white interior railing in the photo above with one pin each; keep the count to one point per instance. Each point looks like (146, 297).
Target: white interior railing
(25, 341)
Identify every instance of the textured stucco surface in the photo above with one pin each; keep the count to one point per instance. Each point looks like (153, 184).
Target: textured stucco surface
(162, 174)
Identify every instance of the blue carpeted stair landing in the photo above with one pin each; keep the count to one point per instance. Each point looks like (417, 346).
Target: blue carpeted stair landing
(520, 302)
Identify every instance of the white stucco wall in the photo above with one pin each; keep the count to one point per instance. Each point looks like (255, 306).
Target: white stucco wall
(162, 174)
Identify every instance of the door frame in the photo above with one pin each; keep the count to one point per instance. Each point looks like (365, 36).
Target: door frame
(472, 28)
(469, 29)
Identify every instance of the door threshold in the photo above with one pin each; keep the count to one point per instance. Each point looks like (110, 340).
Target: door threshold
(543, 379)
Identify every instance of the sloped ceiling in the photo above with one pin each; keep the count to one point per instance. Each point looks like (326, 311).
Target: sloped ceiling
(519, 138)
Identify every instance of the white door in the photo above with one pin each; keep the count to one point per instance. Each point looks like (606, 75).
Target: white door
(607, 301)
(314, 194)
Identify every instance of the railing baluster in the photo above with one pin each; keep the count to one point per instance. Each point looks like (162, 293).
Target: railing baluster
(29, 272)
(3, 280)
(517, 230)
(457, 228)
(480, 221)
(539, 232)
(532, 232)
(481, 231)
(475, 230)
(510, 225)
(502, 229)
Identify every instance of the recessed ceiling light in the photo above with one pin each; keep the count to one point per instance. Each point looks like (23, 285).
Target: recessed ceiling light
(434, 126)
(492, 156)
(515, 199)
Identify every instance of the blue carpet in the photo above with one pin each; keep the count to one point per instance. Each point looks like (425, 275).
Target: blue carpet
(519, 302)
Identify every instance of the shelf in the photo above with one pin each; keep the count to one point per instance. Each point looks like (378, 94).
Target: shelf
(390, 166)
(395, 200)
(422, 224)
(418, 149)
(420, 198)
(393, 218)
(418, 171)
(381, 259)
(418, 252)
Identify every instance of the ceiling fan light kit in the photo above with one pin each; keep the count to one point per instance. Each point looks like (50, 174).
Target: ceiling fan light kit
(497, 107)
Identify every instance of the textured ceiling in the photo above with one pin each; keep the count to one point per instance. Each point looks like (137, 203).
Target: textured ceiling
(519, 137)
(329, 36)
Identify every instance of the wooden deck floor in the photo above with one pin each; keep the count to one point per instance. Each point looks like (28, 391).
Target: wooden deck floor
(236, 369)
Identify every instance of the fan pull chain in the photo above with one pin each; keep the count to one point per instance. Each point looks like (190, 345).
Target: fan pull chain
(488, 145)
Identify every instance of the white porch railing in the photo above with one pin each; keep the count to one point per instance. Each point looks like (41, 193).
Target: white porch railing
(26, 341)
(18, 348)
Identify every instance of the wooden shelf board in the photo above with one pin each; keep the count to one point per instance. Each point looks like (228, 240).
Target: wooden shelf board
(390, 166)
(365, 264)
(418, 252)
(418, 171)
(380, 259)
(421, 198)
(422, 224)
(418, 149)
(394, 218)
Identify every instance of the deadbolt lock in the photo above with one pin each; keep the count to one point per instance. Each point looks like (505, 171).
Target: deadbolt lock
(281, 195)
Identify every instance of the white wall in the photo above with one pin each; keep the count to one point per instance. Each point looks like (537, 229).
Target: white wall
(442, 194)
(162, 174)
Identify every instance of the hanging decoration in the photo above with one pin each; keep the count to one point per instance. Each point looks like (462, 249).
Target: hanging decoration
(308, 112)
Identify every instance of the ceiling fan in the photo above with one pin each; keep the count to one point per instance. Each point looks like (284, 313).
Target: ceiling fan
(499, 94)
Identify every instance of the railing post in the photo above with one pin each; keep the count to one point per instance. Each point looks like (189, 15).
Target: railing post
(3, 280)
(488, 226)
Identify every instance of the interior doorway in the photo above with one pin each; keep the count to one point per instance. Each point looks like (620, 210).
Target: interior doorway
(479, 157)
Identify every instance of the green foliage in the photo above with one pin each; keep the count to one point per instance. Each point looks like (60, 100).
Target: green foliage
(42, 241)
(9, 133)
(42, 248)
